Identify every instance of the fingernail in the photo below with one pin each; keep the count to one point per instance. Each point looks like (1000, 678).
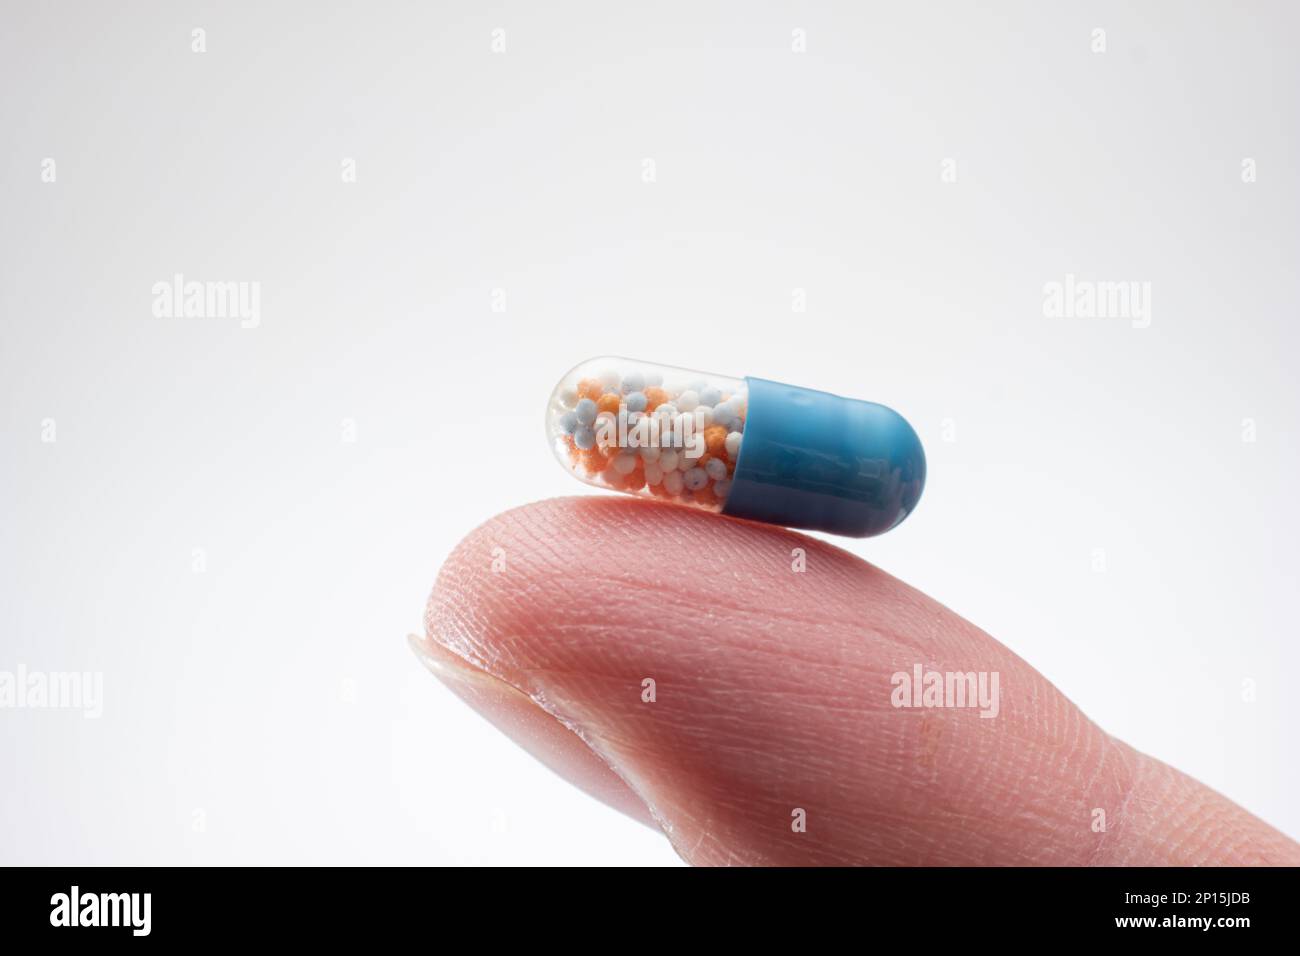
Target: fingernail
(516, 715)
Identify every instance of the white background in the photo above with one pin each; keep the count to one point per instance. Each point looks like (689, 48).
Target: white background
(273, 700)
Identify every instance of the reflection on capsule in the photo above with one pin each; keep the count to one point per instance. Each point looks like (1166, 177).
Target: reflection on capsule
(748, 448)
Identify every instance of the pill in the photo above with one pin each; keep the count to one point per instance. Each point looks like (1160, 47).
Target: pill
(654, 397)
(695, 478)
(634, 381)
(585, 413)
(743, 447)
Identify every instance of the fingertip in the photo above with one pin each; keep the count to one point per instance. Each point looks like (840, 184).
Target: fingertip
(737, 679)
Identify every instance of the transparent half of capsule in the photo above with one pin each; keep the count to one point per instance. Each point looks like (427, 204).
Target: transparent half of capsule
(745, 447)
(649, 429)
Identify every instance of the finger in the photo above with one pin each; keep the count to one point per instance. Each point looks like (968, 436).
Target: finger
(687, 669)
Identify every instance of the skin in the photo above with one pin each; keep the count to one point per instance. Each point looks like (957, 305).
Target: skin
(773, 694)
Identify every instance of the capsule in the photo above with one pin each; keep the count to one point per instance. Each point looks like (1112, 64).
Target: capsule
(745, 447)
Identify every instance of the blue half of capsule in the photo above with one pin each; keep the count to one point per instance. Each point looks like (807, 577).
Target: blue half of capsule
(815, 460)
